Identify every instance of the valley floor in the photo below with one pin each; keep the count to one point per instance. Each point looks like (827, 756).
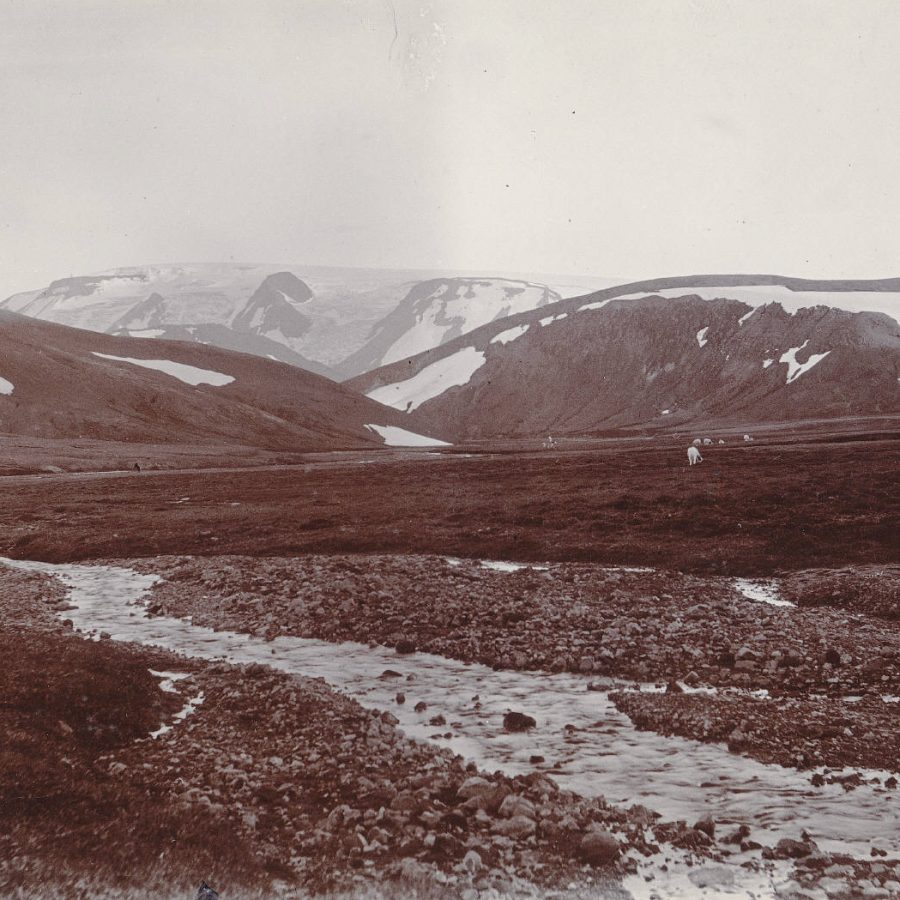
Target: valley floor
(746, 510)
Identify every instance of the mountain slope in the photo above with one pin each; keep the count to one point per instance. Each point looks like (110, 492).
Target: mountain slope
(629, 357)
(264, 327)
(273, 312)
(60, 382)
(441, 309)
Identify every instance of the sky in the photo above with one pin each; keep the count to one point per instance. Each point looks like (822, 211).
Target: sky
(622, 138)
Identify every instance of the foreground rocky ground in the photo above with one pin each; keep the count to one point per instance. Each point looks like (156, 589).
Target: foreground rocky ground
(608, 623)
(804, 733)
(871, 590)
(274, 785)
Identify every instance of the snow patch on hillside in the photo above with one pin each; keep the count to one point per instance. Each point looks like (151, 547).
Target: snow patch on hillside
(6, 387)
(279, 337)
(188, 374)
(458, 308)
(767, 363)
(597, 304)
(504, 337)
(761, 591)
(451, 371)
(293, 301)
(796, 369)
(146, 332)
(701, 336)
(400, 437)
(549, 320)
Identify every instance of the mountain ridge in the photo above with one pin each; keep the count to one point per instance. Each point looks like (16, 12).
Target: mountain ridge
(621, 356)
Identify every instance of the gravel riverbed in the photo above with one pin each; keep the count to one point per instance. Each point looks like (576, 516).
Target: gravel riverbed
(306, 777)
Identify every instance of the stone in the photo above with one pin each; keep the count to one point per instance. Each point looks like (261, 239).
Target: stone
(788, 848)
(472, 862)
(712, 877)
(707, 825)
(739, 834)
(515, 805)
(405, 801)
(641, 815)
(598, 847)
(517, 721)
(414, 872)
(474, 787)
(516, 827)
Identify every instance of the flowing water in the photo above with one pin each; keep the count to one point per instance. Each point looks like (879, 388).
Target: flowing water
(587, 745)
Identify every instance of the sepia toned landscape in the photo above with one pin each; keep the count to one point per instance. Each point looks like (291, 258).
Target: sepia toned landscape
(413, 568)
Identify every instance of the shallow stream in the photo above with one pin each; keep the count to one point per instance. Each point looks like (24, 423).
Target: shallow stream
(587, 745)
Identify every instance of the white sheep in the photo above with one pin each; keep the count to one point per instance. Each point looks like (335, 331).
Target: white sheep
(694, 455)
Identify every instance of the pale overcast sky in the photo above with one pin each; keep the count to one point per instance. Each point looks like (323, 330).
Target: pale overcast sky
(606, 137)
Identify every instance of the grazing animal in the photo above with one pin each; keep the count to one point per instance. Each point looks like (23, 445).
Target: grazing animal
(748, 438)
(694, 455)
(721, 441)
(707, 441)
(549, 444)
(696, 442)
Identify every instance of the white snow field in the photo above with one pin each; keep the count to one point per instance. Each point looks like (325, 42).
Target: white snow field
(146, 332)
(504, 337)
(6, 387)
(400, 437)
(796, 369)
(451, 371)
(701, 336)
(444, 315)
(188, 374)
(599, 304)
(549, 320)
(761, 591)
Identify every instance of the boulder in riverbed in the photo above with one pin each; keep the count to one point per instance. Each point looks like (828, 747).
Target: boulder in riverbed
(598, 847)
(517, 721)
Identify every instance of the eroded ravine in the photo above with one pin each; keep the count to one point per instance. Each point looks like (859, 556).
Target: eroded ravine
(587, 745)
